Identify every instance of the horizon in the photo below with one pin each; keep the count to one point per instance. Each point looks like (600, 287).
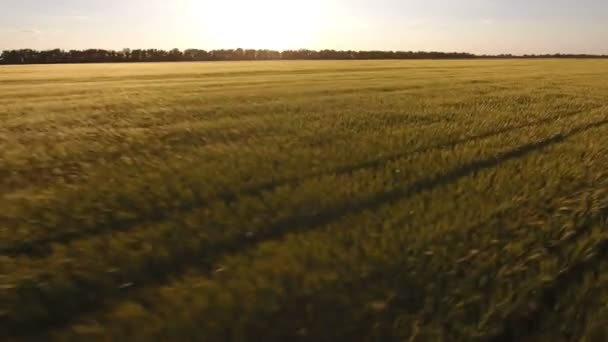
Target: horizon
(480, 27)
(183, 50)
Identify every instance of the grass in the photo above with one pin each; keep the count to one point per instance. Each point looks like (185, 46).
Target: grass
(363, 200)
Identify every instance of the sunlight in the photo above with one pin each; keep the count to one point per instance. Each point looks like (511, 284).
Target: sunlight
(272, 24)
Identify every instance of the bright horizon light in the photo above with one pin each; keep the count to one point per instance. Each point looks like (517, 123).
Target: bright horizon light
(272, 24)
(477, 26)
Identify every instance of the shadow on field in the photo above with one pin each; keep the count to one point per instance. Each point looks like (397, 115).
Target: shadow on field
(408, 295)
(527, 318)
(305, 222)
(41, 246)
(295, 224)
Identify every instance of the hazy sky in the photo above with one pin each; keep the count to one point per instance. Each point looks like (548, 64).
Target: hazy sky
(480, 26)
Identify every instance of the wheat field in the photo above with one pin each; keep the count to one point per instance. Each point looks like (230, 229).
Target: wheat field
(317, 201)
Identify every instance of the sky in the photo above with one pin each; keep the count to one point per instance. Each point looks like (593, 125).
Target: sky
(478, 26)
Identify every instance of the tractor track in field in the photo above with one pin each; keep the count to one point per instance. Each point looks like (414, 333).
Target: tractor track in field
(516, 322)
(303, 223)
(41, 246)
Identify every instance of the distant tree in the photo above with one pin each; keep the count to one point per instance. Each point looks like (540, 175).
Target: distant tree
(29, 56)
(175, 55)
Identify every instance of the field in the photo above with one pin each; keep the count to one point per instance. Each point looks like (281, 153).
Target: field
(320, 201)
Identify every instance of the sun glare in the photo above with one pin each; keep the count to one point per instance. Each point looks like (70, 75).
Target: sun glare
(272, 24)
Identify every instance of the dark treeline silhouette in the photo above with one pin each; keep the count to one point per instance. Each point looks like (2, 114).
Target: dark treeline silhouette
(28, 56)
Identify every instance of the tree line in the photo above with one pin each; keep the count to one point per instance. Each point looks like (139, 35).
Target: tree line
(57, 56)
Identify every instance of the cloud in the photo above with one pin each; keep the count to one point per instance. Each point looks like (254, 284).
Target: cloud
(78, 18)
(30, 31)
(487, 21)
(60, 20)
(35, 31)
(418, 22)
(24, 35)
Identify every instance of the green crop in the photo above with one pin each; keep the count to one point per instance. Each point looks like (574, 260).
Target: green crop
(321, 201)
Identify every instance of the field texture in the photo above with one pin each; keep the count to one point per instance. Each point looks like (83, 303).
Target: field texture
(321, 201)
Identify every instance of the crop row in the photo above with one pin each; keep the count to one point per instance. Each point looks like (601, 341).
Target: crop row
(97, 267)
(88, 143)
(125, 197)
(408, 259)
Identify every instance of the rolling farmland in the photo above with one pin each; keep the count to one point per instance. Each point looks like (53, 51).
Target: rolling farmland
(321, 201)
